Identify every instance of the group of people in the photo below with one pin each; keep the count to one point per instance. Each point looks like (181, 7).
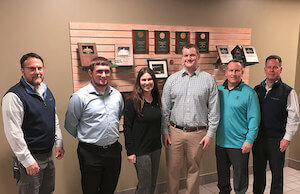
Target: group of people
(190, 112)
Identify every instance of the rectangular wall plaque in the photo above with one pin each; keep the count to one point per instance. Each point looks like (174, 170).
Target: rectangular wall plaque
(87, 52)
(140, 41)
(202, 41)
(123, 55)
(250, 54)
(182, 38)
(162, 42)
(224, 53)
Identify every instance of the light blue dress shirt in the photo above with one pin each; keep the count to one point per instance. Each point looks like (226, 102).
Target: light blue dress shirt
(93, 117)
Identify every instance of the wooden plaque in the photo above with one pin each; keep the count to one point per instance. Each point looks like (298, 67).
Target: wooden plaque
(140, 41)
(162, 42)
(87, 52)
(202, 41)
(182, 38)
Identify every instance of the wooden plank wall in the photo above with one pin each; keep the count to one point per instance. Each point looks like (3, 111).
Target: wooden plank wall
(106, 35)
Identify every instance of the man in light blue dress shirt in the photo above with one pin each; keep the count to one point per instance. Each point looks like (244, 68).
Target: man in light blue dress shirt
(93, 117)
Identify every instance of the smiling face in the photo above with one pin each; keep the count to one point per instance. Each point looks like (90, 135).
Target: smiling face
(190, 58)
(33, 71)
(234, 73)
(146, 82)
(272, 70)
(100, 76)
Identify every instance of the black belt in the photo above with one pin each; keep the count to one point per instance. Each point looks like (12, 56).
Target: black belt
(93, 146)
(188, 129)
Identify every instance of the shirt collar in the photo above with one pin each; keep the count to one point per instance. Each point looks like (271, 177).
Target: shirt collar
(225, 84)
(264, 83)
(92, 90)
(195, 73)
(41, 91)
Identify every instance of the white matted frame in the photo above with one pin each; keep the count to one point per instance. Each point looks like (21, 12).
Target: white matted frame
(160, 67)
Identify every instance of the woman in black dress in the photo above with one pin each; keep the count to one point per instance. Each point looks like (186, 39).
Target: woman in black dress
(142, 122)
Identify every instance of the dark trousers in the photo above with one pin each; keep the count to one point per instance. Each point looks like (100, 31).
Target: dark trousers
(267, 149)
(40, 183)
(225, 158)
(147, 169)
(100, 167)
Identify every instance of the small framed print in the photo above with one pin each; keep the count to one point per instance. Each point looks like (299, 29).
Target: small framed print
(159, 66)
(87, 52)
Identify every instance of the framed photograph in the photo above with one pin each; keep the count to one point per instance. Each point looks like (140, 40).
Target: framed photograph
(123, 55)
(159, 66)
(87, 52)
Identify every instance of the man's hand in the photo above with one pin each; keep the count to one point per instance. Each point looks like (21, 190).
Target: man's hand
(206, 141)
(166, 140)
(59, 152)
(33, 169)
(284, 144)
(246, 147)
(131, 158)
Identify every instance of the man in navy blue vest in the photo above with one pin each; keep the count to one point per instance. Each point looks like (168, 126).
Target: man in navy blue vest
(31, 127)
(279, 122)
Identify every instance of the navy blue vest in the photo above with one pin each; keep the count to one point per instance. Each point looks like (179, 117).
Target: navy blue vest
(273, 109)
(39, 118)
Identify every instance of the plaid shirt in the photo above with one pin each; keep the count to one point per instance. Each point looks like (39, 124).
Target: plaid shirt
(191, 101)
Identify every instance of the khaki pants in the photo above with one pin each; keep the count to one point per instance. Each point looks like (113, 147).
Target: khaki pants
(184, 144)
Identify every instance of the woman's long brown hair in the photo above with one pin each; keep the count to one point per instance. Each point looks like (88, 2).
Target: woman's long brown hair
(137, 94)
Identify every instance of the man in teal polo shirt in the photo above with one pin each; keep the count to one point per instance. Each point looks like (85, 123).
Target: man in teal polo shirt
(238, 127)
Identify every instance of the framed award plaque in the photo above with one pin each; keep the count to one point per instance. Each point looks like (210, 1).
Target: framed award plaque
(202, 41)
(162, 42)
(87, 52)
(140, 41)
(250, 54)
(224, 53)
(123, 55)
(182, 38)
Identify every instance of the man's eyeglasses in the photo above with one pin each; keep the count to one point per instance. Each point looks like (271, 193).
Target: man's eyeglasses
(34, 68)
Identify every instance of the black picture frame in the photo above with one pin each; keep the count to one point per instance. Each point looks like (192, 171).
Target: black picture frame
(160, 67)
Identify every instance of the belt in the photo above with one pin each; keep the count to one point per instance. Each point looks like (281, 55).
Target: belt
(188, 129)
(89, 145)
